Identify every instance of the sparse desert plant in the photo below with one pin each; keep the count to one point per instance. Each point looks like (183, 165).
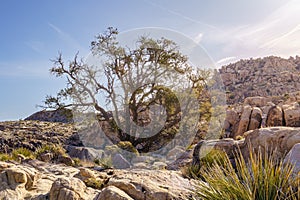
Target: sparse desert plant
(22, 151)
(94, 183)
(239, 137)
(56, 150)
(261, 177)
(214, 156)
(77, 162)
(105, 162)
(5, 157)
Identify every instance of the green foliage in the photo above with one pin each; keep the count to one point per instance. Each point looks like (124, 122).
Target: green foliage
(56, 150)
(239, 137)
(22, 151)
(105, 162)
(77, 162)
(94, 183)
(214, 156)
(5, 157)
(262, 177)
(132, 68)
(127, 146)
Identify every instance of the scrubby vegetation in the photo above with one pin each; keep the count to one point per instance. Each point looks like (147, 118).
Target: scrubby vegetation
(56, 150)
(260, 177)
(214, 156)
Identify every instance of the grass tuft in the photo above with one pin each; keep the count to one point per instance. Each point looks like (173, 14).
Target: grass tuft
(262, 177)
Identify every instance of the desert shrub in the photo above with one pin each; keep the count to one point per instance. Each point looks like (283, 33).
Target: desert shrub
(22, 151)
(239, 137)
(127, 146)
(261, 177)
(214, 156)
(56, 150)
(77, 162)
(105, 162)
(94, 183)
(5, 157)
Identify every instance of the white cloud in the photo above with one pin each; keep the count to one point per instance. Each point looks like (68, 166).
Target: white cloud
(198, 38)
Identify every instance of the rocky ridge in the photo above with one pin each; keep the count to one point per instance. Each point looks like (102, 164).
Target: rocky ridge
(269, 76)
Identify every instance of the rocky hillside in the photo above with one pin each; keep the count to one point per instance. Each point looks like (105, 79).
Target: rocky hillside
(269, 76)
(34, 134)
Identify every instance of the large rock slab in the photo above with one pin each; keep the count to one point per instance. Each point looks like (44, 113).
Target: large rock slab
(275, 116)
(293, 157)
(244, 121)
(255, 119)
(278, 140)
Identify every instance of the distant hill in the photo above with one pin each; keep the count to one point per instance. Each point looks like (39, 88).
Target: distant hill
(269, 76)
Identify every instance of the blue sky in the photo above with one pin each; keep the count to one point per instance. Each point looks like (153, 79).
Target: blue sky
(33, 32)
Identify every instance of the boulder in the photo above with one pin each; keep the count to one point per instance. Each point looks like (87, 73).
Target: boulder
(84, 153)
(119, 162)
(112, 192)
(142, 184)
(256, 101)
(244, 121)
(292, 114)
(279, 140)
(274, 117)
(228, 145)
(255, 119)
(293, 157)
(69, 188)
(67, 160)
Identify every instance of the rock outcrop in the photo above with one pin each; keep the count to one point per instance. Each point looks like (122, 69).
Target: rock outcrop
(62, 115)
(278, 141)
(260, 112)
(269, 76)
(34, 179)
(34, 134)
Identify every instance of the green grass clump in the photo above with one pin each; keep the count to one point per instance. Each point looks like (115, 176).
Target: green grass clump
(56, 150)
(261, 177)
(94, 183)
(105, 162)
(77, 162)
(127, 146)
(5, 157)
(213, 156)
(22, 151)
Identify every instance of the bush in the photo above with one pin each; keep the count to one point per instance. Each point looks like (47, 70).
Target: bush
(5, 157)
(261, 177)
(213, 156)
(77, 162)
(56, 150)
(94, 183)
(22, 151)
(105, 162)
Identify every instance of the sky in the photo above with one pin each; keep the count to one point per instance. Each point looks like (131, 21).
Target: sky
(34, 32)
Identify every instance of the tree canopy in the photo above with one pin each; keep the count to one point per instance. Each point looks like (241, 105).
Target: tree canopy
(143, 93)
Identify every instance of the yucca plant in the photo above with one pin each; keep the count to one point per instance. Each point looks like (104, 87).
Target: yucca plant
(262, 176)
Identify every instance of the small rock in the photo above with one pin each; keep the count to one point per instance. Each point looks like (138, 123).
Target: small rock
(66, 160)
(112, 192)
(120, 162)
